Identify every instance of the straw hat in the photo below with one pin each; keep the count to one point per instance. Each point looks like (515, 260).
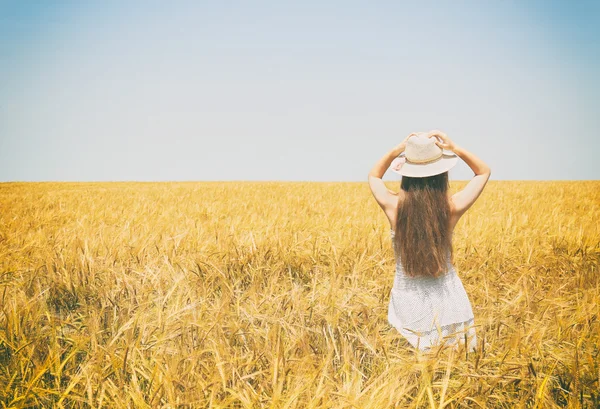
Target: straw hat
(422, 158)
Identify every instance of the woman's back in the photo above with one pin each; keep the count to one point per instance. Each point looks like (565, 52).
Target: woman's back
(427, 308)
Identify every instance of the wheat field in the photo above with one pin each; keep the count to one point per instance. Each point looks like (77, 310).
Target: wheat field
(275, 295)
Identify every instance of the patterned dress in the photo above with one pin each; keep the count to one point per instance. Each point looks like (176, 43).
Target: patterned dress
(430, 310)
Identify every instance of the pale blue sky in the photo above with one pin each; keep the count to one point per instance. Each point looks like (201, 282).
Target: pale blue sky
(311, 90)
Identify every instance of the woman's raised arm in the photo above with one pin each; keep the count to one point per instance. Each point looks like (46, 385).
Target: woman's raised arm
(386, 199)
(464, 199)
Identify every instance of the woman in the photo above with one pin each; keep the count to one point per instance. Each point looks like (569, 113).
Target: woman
(428, 303)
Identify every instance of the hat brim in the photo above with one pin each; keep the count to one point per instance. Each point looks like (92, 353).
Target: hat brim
(416, 170)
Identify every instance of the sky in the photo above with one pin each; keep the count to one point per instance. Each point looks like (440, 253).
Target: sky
(294, 91)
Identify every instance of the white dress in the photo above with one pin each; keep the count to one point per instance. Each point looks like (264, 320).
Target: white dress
(430, 310)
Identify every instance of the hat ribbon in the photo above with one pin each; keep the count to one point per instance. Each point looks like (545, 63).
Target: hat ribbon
(422, 162)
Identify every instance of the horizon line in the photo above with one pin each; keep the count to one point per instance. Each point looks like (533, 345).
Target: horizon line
(277, 181)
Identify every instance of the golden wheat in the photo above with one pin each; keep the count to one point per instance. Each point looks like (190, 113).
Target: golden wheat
(275, 295)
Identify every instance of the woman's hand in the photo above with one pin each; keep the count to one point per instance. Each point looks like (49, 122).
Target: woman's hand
(401, 147)
(445, 142)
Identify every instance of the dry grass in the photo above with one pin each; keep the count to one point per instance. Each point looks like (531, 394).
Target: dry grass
(275, 295)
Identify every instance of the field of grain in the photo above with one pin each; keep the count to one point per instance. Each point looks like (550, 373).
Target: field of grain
(252, 295)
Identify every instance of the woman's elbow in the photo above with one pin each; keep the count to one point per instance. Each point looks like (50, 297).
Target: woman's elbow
(487, 172)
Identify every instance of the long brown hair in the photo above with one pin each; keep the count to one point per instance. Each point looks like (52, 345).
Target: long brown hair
(423, 240)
